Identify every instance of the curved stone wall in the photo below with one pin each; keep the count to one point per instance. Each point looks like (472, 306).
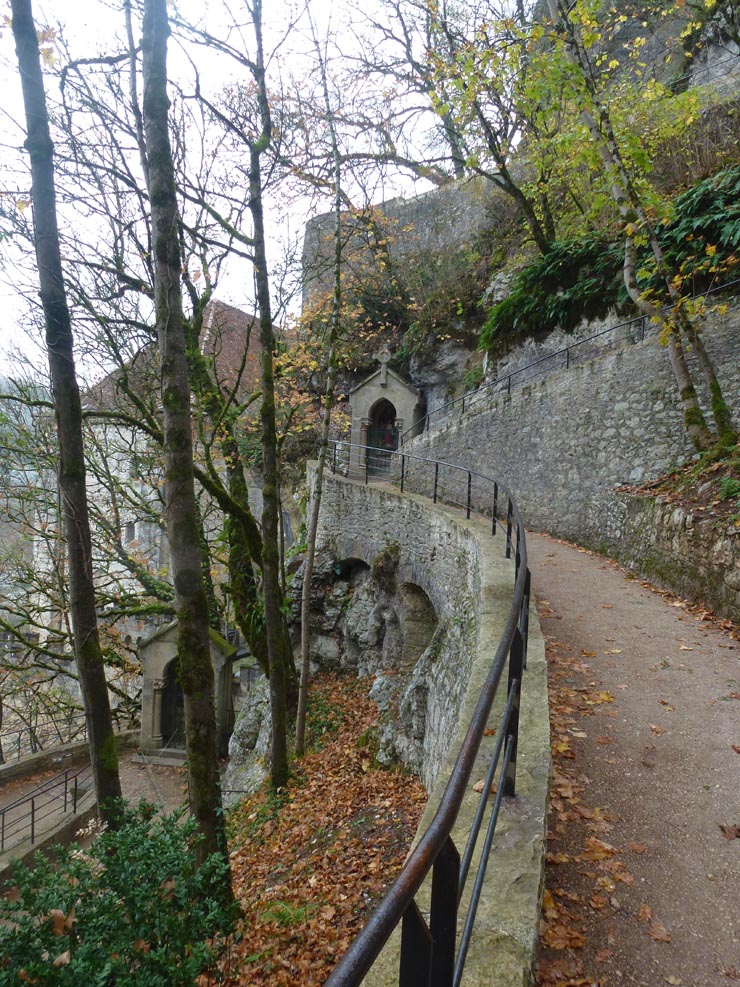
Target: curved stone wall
(462, 571)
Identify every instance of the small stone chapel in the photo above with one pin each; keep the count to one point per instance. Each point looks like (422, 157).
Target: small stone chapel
(384, 407)
(162, 705)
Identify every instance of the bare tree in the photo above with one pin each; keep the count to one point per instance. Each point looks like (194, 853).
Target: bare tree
(191, 605)
(68, 411)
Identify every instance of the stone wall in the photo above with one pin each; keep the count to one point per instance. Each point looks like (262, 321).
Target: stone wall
(565, 442)
(464, 575)
(692, 553)
(439, 557)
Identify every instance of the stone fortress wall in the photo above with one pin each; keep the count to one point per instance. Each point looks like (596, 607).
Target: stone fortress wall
(567, 441)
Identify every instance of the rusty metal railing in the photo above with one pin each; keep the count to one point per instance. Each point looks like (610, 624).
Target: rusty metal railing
(431, 951)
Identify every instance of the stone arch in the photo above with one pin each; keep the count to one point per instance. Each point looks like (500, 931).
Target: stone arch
(173, 708)
(418, 624)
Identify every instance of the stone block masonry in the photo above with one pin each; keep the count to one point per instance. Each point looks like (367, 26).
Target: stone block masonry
(462, 571)
(564, 443)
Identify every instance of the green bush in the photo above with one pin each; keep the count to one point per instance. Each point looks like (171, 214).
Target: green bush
(582, 278)
(575, 279)
(132, 911)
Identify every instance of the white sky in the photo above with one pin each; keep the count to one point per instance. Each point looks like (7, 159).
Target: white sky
(88, 27)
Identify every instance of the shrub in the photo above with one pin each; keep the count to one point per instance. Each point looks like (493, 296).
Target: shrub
(131, 911)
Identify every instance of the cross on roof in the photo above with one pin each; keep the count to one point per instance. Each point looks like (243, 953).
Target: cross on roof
(384, 356)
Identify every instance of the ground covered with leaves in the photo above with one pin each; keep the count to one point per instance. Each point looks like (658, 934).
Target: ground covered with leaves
(309, 864)
(598, 903)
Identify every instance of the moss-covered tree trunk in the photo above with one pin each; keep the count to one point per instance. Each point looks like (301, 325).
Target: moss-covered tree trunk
(183, 529)
(68, 411)
(677, 326)
(274, 620)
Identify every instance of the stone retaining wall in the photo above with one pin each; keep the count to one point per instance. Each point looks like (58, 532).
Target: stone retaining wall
(564, 443)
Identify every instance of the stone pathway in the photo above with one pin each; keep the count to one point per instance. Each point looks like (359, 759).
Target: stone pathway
(164, 785)
(666, 764)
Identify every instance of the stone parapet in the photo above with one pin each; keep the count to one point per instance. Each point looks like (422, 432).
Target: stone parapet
(462, 570)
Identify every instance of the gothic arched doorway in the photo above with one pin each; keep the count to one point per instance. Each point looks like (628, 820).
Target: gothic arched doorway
(173, 709)
(382, 436)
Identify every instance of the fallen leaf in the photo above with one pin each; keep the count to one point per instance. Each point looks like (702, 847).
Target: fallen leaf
(736, 748)
(657, 730)
(613, 651)
(480, 785)
(604, 740)
(657, 931)
(667, 706)
(645, 914)
(588, 654)
(684, 648)
(673, 981)
(731, 832)
(603, 955)
(63, 958)
(637, 847)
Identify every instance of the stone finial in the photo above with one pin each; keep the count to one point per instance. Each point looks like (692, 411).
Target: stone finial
(384, 356)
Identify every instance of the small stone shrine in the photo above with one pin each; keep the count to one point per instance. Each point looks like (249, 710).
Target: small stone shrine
(162, 706)
(384, 407)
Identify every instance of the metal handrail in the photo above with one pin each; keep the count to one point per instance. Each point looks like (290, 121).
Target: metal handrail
(564, 356)
(69, 727)
(59, 796)
(429, 952)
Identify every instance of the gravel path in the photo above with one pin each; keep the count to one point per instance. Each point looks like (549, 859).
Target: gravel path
(661, 758)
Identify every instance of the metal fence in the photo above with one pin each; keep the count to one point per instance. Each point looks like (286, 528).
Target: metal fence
(49, 732)
(578, 352)
(431, 952)
(35, 814)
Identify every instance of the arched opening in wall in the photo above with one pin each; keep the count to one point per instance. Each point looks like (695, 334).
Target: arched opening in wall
(350, 568)
(418, 623)
(382, 436)
(173, 709)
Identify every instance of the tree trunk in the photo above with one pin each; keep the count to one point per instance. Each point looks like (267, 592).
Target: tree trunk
(276, 641)
(68, 412)
(334, 328)
(183, 529)
(633, 213)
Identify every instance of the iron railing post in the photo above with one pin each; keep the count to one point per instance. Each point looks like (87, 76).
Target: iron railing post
(74, 797)
(516, 664)
(524, 616)
(495, 509)
(470, 487)
(403, 470)
(33, 821)
(443, 913)
(66, 788)
(436, 480)
(509, 515)
(334, 459)
(416, 950)
(2, 831)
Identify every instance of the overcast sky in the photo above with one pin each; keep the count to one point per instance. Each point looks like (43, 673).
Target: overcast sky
(88, 28)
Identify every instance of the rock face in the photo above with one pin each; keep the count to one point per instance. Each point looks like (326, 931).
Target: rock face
(249, 745)
(364, 622)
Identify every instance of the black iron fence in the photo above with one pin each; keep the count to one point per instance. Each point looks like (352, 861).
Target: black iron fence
(578, 352)
(30, 817)
(41, 735)
(431, 950)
